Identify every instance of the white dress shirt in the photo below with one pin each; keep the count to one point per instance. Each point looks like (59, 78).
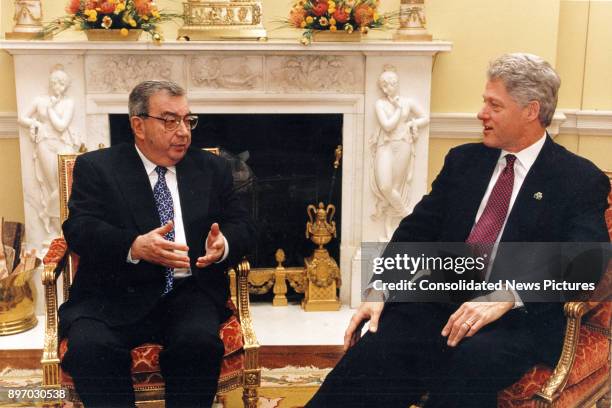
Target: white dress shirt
(524, 160)
(179, 228)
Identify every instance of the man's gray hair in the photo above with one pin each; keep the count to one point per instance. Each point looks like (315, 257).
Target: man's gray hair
(527, 78)
(139, 97)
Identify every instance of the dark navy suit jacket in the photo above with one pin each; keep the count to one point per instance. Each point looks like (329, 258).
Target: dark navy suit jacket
(112, 203)
(574, 198)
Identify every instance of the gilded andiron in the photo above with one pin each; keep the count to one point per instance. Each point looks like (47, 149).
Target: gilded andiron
(222, 20)
(261, 280)
(280, 286)
(322, 271)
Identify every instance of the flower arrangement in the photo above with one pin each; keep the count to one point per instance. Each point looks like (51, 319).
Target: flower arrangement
(123, 15)
(335, 15)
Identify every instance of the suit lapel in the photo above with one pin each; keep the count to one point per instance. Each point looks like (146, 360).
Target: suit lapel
(476, 179)
(135, 186)
(522, 221)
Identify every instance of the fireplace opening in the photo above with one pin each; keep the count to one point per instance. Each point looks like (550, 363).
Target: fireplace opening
(282, 163)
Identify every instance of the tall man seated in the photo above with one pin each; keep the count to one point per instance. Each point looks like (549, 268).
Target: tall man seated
(155, 223)
(486, 193)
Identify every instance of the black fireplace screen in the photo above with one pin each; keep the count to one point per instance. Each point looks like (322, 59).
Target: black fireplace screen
(282, 163)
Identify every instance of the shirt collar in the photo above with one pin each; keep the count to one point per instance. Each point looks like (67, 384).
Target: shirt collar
(528, 155)
(149, 165)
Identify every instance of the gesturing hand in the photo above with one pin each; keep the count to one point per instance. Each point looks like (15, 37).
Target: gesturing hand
(368, 311)
(215, 247)
(155, 248)
(471, 317)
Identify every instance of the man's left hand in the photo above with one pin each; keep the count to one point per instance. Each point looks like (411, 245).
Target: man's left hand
(471, 317)
(215, 247)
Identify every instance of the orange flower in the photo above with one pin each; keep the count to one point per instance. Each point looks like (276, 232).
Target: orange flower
(296, 16)
(107, 7)
(91, 5)
(320, 8)
(341, 16)
(363, 15)
(143, 7)
(73, 7)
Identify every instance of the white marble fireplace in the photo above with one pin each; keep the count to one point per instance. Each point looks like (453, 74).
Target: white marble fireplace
(235, 77)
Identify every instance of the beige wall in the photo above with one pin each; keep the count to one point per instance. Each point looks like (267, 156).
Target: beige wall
(11, 196)
(572, 34)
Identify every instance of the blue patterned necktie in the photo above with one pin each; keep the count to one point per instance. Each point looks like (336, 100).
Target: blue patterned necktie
(165, 209)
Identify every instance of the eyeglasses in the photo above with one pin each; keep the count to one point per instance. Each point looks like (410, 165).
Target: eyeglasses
(171, 123)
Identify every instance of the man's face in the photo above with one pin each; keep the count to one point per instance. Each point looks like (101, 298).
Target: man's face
(504, 120)
(163, 147)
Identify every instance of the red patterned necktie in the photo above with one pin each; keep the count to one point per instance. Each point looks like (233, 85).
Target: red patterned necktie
(489, 225)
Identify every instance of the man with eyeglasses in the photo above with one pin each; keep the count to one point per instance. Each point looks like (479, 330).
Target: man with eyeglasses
(155, 223)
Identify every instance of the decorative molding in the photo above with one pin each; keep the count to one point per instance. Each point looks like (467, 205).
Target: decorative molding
(454, 126)
(254, 103)
(8, 125)
(378, 47)
(442, 126)
(565, 121)
(587, 122)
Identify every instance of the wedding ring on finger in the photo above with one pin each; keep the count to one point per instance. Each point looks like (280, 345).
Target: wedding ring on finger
(466, 324)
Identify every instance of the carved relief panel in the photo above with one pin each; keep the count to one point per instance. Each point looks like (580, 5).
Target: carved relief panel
(120, 73)
(226, 73)
(315, 73)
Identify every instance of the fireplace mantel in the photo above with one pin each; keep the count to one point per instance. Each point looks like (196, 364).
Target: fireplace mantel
(276, 76)
(373, 47)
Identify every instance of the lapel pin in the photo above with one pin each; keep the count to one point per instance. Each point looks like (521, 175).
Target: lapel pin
(538, 195)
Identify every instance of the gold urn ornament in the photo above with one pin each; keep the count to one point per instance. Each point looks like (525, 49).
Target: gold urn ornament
(322, 271)
(223, 20)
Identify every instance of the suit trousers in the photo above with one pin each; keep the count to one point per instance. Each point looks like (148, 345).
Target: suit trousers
(408, 357)
(185, 322)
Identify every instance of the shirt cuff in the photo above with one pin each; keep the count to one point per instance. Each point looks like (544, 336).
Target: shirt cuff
(129, 258)
(517, 300)
(370, 288)
(225, 253)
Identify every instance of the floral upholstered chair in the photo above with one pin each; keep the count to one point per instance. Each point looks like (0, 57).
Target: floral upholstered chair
(240, 366)
(582, 375)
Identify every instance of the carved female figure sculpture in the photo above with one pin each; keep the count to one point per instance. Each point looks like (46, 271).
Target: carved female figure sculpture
(393, 151)
(48, 120)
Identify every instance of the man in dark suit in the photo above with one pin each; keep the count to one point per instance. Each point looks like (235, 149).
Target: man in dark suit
(516, 186)
(155, 223)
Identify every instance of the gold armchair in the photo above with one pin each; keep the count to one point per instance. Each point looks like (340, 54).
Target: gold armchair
(240, 366)
(581, 377)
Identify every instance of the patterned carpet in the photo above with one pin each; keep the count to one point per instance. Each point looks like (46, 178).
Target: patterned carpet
(288, 387)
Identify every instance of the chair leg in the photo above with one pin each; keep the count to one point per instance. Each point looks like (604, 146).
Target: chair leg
(249, 397)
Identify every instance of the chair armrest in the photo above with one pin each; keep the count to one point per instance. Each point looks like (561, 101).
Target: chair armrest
(54, 262)
(252, 372)
(250, 340)
(574, 311)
